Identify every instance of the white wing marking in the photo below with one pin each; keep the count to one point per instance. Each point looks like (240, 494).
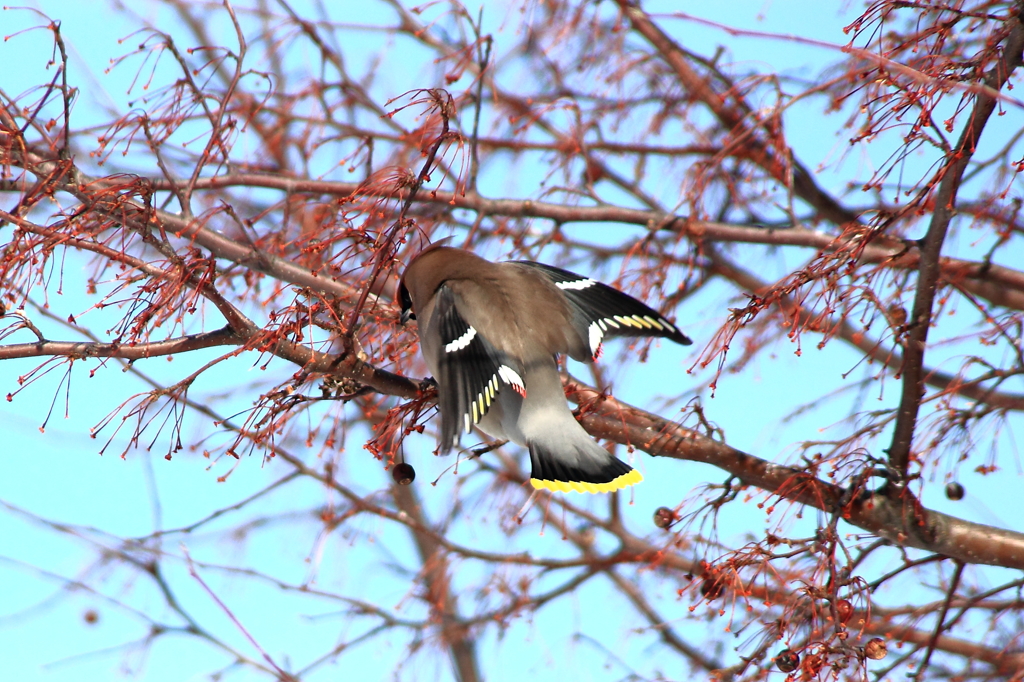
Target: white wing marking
(576, 285)
(461, 342)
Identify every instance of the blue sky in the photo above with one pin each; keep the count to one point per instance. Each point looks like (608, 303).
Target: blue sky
(59, 476)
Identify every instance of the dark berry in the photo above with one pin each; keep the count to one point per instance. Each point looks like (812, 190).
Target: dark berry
(954, 491)
(403, 473)
(664, 517)
(787, 660)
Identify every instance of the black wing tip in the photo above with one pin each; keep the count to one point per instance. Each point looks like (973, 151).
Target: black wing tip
(680, 338)
(672, 333)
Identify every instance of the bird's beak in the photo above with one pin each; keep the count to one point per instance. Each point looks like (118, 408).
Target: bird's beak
(407, 315)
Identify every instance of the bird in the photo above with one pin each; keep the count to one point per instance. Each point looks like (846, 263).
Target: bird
(491, 334)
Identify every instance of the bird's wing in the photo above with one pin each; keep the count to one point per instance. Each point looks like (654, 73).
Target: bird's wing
(472, 370)
(600, 311)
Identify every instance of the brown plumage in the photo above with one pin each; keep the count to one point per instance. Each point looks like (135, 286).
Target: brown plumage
(490, 333)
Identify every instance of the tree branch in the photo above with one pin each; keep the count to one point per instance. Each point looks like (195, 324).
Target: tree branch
(998, 284)
(86, 349)
(929, 268)
(780, 164)
(440, 592)
(920, 528)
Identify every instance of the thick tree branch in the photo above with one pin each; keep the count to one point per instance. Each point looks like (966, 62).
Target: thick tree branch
(919, 527)
(929, 268)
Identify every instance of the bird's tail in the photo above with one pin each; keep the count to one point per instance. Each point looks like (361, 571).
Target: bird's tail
(580, 464)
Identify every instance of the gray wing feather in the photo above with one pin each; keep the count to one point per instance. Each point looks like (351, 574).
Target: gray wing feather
(471, 370)
(601, 311)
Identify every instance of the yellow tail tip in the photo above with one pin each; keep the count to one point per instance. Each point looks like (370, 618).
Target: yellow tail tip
(632, 477)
